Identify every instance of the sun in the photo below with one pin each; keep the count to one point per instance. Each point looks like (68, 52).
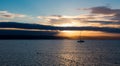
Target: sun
(72, 24)
(66, 25)
(69, 34)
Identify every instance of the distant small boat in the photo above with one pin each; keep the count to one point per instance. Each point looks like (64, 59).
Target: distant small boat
(80, 41)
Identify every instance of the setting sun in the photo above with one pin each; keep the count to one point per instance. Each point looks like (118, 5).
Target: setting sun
(66, 25)
(59, 33)
(69, 34)
(85, 34)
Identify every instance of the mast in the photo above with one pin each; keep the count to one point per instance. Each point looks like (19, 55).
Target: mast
(80, 41)
(80, 35)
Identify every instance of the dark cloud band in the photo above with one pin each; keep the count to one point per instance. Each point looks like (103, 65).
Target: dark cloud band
(46, 27)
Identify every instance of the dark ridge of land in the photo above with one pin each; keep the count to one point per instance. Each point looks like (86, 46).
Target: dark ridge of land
(32, 37)
(42, 37)
(23, 34)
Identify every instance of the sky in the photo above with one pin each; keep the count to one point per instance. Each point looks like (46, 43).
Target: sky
(50, 7)
(64, 13)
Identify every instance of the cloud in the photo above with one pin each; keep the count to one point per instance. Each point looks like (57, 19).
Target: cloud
(46, 27)
(104, 10)
(60, 21)
(50, 17)
(107, 11)
(81, 20)
(56, 20)
(4, 20)
(116, 17)
(6, 14)
(105, 22)
(102, 13)
(98, 16)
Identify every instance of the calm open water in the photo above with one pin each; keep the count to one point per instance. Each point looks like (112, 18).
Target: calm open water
(59, 53)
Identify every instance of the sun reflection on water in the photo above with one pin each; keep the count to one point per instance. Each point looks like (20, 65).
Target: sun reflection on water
(67, 53)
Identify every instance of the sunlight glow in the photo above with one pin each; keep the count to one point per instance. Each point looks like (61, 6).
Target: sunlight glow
(66, 25)
(84, 34)
(69, 34)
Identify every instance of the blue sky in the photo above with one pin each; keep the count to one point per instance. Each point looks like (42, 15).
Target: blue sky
(50, 7)
(43, 11)
(65, 13)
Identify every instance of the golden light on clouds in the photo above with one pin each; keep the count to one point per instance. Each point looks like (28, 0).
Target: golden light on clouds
(73, 24)
(66, 25)
(84, 34)
(69, 34)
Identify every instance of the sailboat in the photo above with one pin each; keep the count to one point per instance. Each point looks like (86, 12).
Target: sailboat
(80, 41)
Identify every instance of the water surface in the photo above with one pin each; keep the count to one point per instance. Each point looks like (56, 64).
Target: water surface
(59, 53)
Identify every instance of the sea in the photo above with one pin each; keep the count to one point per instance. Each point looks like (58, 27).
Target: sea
(59, 53)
